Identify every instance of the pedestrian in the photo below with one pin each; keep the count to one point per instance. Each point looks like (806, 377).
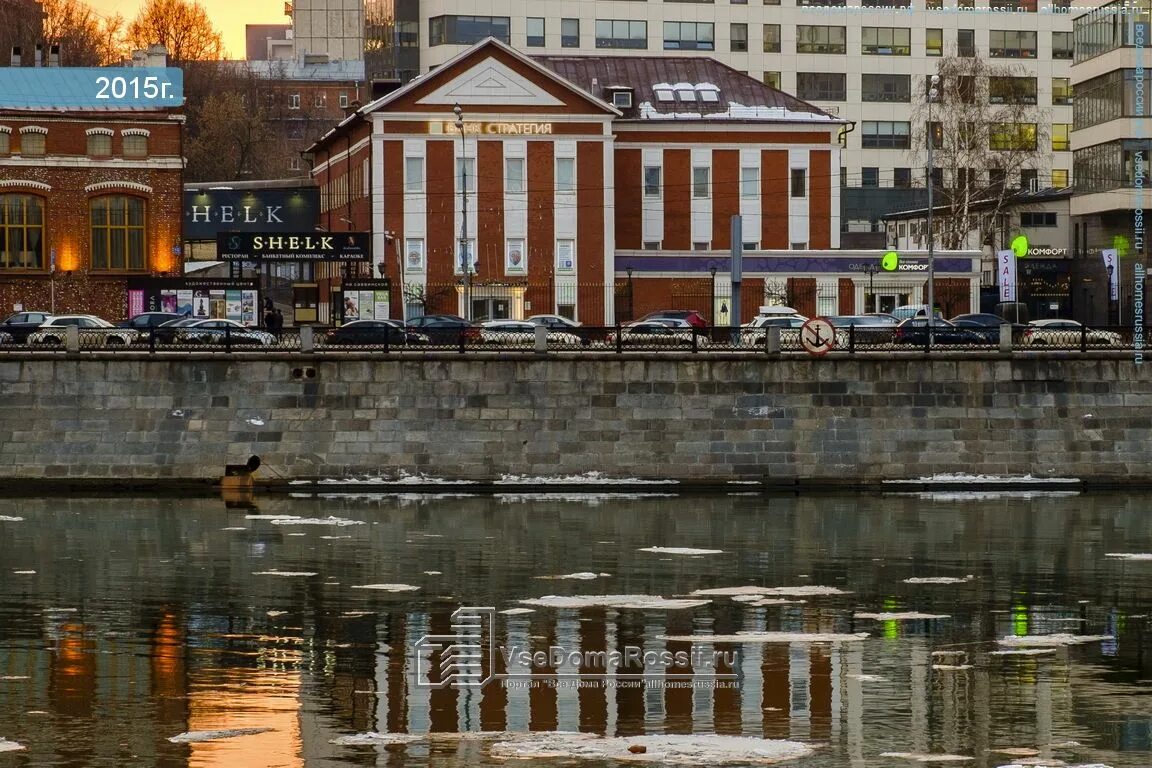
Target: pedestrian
(269, 317)
(277, 322)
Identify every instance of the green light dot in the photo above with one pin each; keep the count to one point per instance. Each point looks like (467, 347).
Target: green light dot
(1020, 246)
(890, 261)
(1120, 243)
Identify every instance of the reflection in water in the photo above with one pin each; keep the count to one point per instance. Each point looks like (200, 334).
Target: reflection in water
(142, 622)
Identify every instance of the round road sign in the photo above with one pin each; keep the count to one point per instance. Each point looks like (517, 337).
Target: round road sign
(818, 336)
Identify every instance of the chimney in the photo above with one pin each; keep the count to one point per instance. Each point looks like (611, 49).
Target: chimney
(39, 55)
(16, 56)
(157, 56)
(54, 55)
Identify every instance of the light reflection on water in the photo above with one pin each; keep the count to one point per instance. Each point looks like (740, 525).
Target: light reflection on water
(148, 618)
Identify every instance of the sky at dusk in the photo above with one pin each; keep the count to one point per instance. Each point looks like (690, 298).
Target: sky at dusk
(229, 16)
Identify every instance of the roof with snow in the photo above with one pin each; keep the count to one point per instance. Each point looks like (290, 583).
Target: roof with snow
(682, 88)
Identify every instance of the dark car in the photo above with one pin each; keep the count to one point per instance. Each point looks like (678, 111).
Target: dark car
(166, 333)
(444, 329)
(980, 318)
(146, 322)
(375, 332)
(691, 316)
(914, 330)
(19, 325)
(866, 330)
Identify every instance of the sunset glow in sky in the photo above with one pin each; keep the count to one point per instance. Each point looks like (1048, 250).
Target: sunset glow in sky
(229, 16)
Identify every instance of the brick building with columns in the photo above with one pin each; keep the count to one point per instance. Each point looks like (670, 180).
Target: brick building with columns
(580, 184)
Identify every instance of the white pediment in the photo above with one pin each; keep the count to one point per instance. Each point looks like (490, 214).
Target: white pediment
(491, 82)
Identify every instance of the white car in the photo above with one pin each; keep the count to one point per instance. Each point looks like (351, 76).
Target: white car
(521, 333)
(220, 331)
(1066, 333)
(755, 333)
(555, 322)
(94, 332)
(663, 332)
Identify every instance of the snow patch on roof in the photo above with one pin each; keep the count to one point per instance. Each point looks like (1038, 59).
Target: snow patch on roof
(735, 111)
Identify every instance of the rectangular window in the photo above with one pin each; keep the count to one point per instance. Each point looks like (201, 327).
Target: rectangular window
(799, 182)
(5, 142)
(934, 42)
(1062, 45)
(617, 33)
(771, 38)
(1060, 178)
(902, 177)
(869, 177)
(689, 36)
(651, 245)
(1012, 136)
(738, 37)
(514, 175)
(651, 181)
(294, 101)
(32, 144)
(1012, 90)
(886, 41)
(414, 174)
(1038, 219)
(772, 80)
(936, 134)
(885, 134)
(966, 43)
(1012, 44)
(569, 33)
(817, 39)
(320, 99)
(821, 86)
(565, 174)
(466, 30)
(343, 101)
(749, 183)
(894, 88)
(21, 232)
(1060, 139)
(1029, 178)
(700, 181)
(535, 32)
(1061, 90)
(466, 173)
(750, 246)
(117, 231)
(99, 145)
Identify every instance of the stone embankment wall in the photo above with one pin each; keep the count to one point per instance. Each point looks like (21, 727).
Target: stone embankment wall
(692, 418)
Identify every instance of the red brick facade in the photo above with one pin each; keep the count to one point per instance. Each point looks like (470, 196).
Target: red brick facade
(69, 184)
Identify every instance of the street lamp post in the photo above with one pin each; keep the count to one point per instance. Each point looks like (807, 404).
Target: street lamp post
(465, 257)
(630, 307)
(931, 236)
(712, 296)
(871, 269)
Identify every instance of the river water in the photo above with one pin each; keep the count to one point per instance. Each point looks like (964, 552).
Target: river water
(883, 627)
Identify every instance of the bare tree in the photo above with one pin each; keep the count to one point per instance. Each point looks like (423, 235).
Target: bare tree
(181, 26)
(85, 39)
(986, 129)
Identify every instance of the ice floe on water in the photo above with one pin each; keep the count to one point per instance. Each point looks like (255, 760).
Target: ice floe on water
(23, 573)
(637, 602)
(275, 614)
(962, 477)
(939, 579)
(808, 590)
(868, 678)
(770, 637)
(371, 738)
(432, 573)
(333, 520)
(580, 576)
(1023, 652)
(284, 573)
(901, 616)
(665, 749)
(516, 611)
(403, 478)
(921, 757)
(591, 478)
(681, 551)
(988, 495)
(190, 737)
(1130, 555)
(388, 587)
(270, 517)
(10, 519)
(1051, 641)
(1015, 751)
(10, 746)
(590, 499)
(15, 677)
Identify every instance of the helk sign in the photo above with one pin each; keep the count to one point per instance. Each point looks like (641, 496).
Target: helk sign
(208, 212)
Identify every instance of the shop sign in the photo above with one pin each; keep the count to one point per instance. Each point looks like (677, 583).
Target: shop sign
(296, 246)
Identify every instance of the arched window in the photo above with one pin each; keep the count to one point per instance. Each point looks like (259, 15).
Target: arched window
(21, 232)
(118, 224)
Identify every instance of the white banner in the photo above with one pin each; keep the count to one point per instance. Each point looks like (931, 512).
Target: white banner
(1006, 266)
(1112, 267)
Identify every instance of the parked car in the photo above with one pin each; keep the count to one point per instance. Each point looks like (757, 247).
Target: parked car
(375, 332)
(913, 310)
(755, 332)
(691, 316)
(444, 329)
(94, 332)
(555, 322)
(980, 318)
(1066, 333)
(862, 330)
(663, 332)
(221, 331)
(914, 330)
(19, 325)
(146, 321)
(521, 333)
(165, 333)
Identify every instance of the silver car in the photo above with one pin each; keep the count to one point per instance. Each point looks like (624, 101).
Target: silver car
(94, 332)
(1067, 333)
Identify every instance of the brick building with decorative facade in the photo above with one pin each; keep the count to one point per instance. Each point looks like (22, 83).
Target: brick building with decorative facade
(88, 200)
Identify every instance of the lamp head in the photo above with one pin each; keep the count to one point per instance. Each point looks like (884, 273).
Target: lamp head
(457, 111)
(712, 269)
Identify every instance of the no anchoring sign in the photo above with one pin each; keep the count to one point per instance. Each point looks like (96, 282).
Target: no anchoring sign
(818, 336)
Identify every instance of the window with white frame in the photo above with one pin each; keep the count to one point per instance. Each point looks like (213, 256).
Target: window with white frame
(749, 183)
(565, 174)
(413, 174)
(799, 182)
(294, 101)
(701, 176)
(651, 181)
(514, 175)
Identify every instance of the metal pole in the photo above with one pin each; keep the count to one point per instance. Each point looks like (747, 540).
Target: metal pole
(631, 309)
(712, 296)
(871, 288)
(737, 236)
(465, 257)
(931, 238)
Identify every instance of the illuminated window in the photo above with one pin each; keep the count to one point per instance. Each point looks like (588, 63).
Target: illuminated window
(118, 223)
(1060, 178)
(1060, 140)
(22, 230)
(1012, 136)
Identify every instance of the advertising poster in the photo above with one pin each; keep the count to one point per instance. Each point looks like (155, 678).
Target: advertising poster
(565, 258)
(135, 303)
(248, 307)
(514, 262)
(380, 304)
(217, 306)
(366, 301)
(1006, 261)
(232, 305)
(351, 306)
(414, 255)
(184, 302)
(168, 302)
(1110, 256)
(200, 304)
